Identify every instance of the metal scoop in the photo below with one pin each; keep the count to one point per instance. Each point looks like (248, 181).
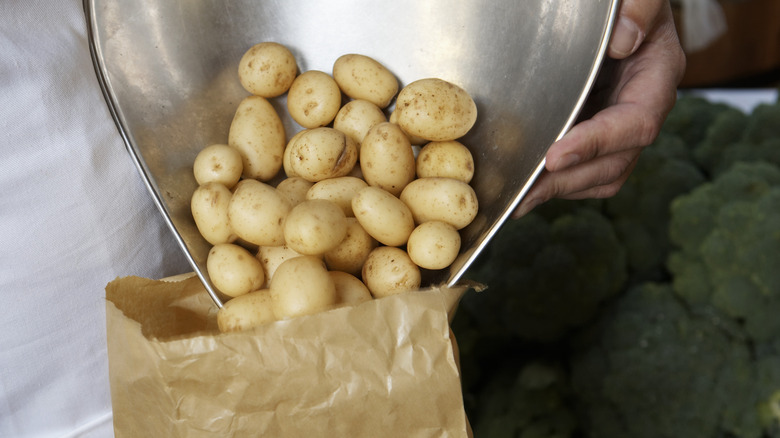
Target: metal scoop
(168, 70)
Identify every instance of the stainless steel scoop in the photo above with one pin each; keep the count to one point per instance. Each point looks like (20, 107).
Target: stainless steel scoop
(168, 70)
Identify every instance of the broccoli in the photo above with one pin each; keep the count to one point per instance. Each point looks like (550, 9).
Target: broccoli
(640, 211)
(691, 117)
(525, 400)
(650, 367)
(727, 247)
(546, 276)
(735, 136)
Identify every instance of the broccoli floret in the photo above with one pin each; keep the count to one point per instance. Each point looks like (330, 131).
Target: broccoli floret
(734, 136)
(727, 247)
(640, 211)
(691, 117)
(546, 276)
(525, 401)
(651, 368)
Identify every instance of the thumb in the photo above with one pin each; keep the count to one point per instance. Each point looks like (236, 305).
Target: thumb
(635, 20)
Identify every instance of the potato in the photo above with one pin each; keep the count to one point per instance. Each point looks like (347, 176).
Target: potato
(413, 139)
(433, 245)
(273, 256)
(302, 286)
(258, 134)
(246, 311)
(233, 270)
(349, 289)
(322, 153)
(286, 164)
(435, 109)
(449, 159)
(294, 189)
(340, 190)
(315, 227)
(267, 69)
(353, 250)
(387, 158)
(390, 270)
(385, 217)
(209, 205)
(356, 117)
(257, 213)
(314, 99)
(443, 199)
(218, 163)
(362, 77)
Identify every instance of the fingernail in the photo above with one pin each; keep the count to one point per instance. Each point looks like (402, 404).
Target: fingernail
(566, 161)
(525, 207)
(625, 38)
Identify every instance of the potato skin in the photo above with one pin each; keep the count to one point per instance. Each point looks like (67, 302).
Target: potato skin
(356, 117)
(315, 226)
(322, 153)
(389, 271)
(267, 69)
(314, 99)
(442, 199)
(448, 159)
(233, 270)
(433, 245)
(257, 212)
(353, 250)
(258, 134)
(302, 286)
(387, 158)
(349, 289)
(435, 109)
(340, 190)
(362, 77)
(246, 311)
(209, 205)
(385, 217)
(218, 163)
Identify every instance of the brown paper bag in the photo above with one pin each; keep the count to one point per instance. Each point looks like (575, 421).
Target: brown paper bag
(385, 368)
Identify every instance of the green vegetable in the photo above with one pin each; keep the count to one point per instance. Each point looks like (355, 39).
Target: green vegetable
(577, 255)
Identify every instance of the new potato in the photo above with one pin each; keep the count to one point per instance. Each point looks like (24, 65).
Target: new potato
(349, 289)
(273, 256)
(315, 226)
(387, 158)
(340, 190)
(322, 153)
(350, 255)
(314, 99)
(362, 77)
(258, 134)
(209, 205)
(302, 286)
(246, 311)
(433, 245)
(267, 69)
(218, 163)
(435, 110)
(257, 212)
(234, 270)
(390, 270)
(385, 217)
(448, 159)
(356, 117)
(441, 199)
(294, 189)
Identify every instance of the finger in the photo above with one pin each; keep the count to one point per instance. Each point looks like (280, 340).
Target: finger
(599, 178)
(636, 19)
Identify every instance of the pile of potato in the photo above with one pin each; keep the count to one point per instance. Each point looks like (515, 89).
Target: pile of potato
(365, 201)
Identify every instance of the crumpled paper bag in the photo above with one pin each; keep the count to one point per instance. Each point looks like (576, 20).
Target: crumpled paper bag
(385, 368)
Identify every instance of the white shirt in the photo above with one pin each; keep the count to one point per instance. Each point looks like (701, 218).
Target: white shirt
(74, 215)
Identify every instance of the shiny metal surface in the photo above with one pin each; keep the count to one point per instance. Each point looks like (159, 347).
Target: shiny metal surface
(168, 70)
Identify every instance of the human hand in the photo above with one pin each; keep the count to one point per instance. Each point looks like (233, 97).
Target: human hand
(597, 155)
